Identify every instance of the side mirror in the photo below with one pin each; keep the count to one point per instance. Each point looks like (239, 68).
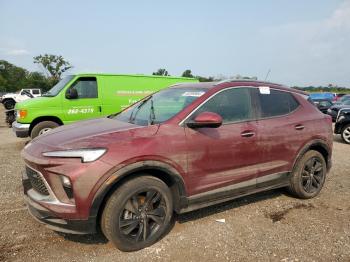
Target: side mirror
(72, 93)
(205, 119)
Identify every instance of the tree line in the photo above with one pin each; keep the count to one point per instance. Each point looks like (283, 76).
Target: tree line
(14, 78)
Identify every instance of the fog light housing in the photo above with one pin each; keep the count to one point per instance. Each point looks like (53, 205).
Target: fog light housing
(67, 186)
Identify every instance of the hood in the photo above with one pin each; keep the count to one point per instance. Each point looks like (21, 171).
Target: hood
(34, 102)
(336, 107)
(91, 133)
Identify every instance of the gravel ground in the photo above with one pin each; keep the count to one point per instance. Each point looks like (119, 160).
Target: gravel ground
(269, 226)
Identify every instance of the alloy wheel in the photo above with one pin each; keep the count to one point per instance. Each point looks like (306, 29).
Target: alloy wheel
(346, 134)
(143, 215)
(312, 175)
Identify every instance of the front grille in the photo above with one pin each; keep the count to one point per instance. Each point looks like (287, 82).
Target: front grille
(36, 181)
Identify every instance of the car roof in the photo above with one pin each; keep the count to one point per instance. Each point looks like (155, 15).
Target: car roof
(237, 83)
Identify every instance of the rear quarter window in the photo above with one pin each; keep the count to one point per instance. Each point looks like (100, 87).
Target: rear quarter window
(276, 103)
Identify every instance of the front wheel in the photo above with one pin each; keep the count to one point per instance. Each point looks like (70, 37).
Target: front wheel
(345, 134)
(138, 213)
(308, 176)
(42, 127)
(9, 104)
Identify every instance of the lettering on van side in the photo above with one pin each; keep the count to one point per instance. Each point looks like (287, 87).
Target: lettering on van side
(74, 111)
(134, 92)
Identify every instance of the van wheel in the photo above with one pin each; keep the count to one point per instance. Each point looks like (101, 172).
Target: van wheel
(42, 127)
(138, 213)
(308, 176)
(345, 134)
(9, 104)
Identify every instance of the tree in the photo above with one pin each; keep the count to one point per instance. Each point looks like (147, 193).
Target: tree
(53, 65)
(161, 72)
(12, 77)
(187, 73)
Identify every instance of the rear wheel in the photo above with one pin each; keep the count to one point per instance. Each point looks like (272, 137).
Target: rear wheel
(9, 104)
(138, 213)
(308, 176)
(42, 127)
(345, 134)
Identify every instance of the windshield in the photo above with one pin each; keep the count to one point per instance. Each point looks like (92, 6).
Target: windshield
(344, 98)
(160, 106)
(59, 86)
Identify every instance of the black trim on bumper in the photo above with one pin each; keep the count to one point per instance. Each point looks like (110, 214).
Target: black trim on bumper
(51, 220)
(55, 223)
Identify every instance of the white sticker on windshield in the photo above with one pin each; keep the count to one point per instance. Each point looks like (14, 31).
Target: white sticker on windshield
(196, 94)
(264, 90)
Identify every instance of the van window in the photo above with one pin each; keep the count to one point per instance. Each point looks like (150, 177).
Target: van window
(35, 92)
(86, 87)
(232, 105)
(276, 103)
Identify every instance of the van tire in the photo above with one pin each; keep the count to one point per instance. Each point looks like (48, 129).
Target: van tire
(308, 175)
(42, 127)
(129, 204)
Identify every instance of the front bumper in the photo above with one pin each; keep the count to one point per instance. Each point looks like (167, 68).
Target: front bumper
(21, 130)
(52, 220)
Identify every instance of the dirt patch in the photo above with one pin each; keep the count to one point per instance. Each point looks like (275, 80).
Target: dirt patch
(280, 215)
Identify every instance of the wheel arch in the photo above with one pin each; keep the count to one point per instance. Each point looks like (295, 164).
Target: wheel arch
(163, 171)
(320, 146)
(44, 118)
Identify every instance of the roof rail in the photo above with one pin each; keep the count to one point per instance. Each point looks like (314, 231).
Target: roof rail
(244, 80)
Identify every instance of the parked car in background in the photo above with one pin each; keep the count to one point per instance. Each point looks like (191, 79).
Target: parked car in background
(338, 96)
(322, 104)
(342, 124)
(334, 109)
(9, 100)
(323, 96)
(183, 148)
(342, 99)
(83, 96)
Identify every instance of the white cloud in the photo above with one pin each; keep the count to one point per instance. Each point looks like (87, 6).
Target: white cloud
(17, 52)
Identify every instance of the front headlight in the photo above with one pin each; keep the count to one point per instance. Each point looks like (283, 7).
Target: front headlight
(21, 113)
(329, 110)
(86, 155)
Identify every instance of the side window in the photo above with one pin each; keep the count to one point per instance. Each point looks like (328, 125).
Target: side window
(35, 92)
(232, 105)
(86, 87)
(277, 103)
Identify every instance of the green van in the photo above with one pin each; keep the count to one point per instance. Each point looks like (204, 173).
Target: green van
(84, 96)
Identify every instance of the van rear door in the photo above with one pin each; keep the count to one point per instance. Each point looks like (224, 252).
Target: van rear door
(86, 105)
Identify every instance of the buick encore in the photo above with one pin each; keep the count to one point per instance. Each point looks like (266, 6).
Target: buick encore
(183, 148)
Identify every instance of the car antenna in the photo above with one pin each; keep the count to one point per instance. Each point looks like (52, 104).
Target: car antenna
(267, 75)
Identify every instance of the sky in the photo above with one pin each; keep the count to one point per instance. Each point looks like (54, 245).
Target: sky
(302, 42)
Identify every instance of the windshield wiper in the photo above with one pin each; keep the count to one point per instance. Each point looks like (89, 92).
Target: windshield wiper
(132, 116)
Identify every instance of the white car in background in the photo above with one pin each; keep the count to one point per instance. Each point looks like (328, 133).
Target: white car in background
(9, 100)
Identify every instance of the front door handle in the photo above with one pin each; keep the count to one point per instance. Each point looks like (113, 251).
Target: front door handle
(299, 127)
(247, 134)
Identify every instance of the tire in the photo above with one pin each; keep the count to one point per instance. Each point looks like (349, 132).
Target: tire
(42, 127)
(345, 134)
(9, 104)
(126, 213)
(308, 175)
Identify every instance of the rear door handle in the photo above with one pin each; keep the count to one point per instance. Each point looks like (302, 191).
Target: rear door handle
(247, 134)
(299, 127)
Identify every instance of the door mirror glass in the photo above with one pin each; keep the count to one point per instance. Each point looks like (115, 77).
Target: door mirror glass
(72, 93)
(205, 119)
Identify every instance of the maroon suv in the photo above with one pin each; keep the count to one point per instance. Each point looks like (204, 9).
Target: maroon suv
(183, 148)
